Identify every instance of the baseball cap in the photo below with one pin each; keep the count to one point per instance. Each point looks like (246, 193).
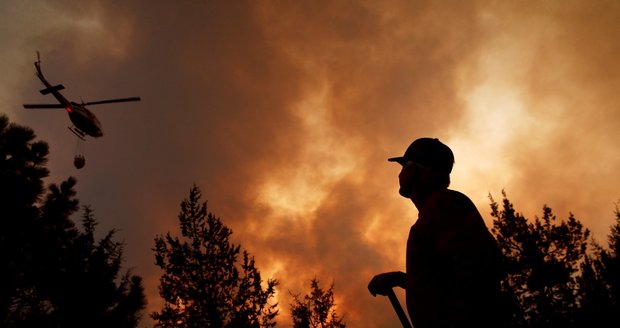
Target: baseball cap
(430, 152)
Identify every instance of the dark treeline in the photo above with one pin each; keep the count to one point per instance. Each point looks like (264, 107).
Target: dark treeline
(55, 273)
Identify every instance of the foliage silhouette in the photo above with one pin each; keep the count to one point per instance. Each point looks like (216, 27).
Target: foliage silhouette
(610, 265)
(203, 285)
(22, 169)
(56, 275)
(556, 280)
(316, 309)
(600, 303)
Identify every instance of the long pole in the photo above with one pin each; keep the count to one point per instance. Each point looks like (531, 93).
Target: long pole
(399, 309)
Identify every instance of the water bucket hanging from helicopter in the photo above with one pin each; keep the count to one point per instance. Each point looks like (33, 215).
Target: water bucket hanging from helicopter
(79, 161)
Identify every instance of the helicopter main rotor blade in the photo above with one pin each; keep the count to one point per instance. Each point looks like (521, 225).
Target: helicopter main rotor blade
(30, 106)
(112, 101)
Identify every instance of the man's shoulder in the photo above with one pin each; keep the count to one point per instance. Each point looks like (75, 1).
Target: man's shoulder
(448, 197)
(451, 207)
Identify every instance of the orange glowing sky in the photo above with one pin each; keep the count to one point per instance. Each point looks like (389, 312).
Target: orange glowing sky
(284, 112)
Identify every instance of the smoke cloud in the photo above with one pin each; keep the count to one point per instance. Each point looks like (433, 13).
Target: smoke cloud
(284, 114)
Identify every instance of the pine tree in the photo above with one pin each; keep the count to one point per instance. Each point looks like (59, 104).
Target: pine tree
(87, 289)
(601, 292)
(22, 169)
(316, 309)
(611, 262)
(202, 284)
(543, 261)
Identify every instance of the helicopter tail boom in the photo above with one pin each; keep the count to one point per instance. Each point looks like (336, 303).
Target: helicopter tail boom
(52, 89)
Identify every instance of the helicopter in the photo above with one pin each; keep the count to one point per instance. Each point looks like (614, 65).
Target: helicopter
(85, 123)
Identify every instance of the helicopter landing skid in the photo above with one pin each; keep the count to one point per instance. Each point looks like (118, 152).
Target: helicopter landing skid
(77, 132)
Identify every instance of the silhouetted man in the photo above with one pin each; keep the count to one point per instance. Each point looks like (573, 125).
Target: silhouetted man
(453, 275)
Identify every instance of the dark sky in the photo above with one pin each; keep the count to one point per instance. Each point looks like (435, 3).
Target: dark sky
(284, 112)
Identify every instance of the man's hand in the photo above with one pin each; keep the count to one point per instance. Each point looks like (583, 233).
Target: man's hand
(382, 283)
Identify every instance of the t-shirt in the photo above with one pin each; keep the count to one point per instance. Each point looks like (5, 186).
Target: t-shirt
(453, 265)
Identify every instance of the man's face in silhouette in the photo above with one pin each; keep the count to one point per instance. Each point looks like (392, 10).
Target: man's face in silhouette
(413, 178)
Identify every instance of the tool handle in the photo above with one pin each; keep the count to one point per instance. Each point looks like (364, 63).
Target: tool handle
(399, 309)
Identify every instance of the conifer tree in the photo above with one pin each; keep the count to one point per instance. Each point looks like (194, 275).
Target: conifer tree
(601, 282)
(543, 260)
(22, 169)
(316, 309)
(611, 262)
(203, 285)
